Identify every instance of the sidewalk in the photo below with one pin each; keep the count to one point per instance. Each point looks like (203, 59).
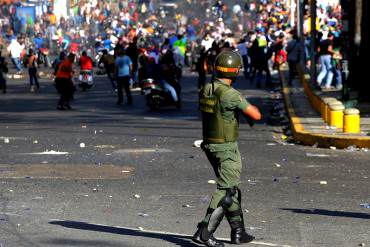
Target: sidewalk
(303, 102)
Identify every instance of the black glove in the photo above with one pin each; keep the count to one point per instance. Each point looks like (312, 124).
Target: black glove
(250, 121)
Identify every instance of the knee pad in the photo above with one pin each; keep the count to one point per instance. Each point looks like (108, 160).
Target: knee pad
(227, 200)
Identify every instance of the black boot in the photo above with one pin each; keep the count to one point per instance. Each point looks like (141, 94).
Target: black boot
(239, 235)
(203, 236)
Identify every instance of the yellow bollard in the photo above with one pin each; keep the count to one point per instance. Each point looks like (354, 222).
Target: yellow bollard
(325, 108)
(351, 120)
(336, 114)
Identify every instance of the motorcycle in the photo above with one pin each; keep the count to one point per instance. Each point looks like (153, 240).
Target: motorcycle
(156, 95)
(85, 79)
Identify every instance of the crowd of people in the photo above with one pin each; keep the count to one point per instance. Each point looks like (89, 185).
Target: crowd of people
(133, 40)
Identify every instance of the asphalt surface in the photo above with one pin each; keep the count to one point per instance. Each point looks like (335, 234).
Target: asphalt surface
(138, 181)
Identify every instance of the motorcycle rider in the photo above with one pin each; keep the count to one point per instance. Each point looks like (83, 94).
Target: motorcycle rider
(221, 106)
(171, 75)
(86, 62)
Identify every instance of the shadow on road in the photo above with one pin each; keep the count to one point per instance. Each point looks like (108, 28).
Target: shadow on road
(179, 240)
(328, 213)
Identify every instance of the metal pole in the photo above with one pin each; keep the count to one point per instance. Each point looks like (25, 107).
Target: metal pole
(313, 42)
(300, 13)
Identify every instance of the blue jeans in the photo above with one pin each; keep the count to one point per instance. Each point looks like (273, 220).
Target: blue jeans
(17, 63)
(326, 70)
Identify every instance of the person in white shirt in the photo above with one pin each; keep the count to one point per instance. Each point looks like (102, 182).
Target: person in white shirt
(207, 42)
(15, 50)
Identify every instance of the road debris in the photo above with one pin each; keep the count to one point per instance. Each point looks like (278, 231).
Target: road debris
(143, 215)
(211, 181)
(137, 196)
(352, 148)
(197, 143)
(277, 165)
(82, 145)
(6, 140)
(323, 182)
(35, 141)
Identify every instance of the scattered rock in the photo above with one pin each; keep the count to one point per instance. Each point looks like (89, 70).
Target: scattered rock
(143, 215)
(277, 165)
(197, 143)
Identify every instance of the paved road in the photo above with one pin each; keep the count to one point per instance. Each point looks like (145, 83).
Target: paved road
(140, 182)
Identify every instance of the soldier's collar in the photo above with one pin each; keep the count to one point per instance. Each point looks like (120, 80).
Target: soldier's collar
(221, 82)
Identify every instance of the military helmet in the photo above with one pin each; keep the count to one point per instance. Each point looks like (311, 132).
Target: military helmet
(227, 64)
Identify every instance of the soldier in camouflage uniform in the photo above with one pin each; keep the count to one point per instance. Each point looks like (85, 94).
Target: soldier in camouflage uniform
(221, 106)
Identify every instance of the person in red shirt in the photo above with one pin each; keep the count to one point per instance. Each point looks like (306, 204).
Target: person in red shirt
(86, 62)
(64, 83)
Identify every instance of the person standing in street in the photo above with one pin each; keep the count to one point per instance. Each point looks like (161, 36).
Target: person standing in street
(15, 50)
(123, 74)
(221, 106)
(31, 63)
(243, 51)
(326, 62)
(108, 61)
(294, 53)
(64, 83)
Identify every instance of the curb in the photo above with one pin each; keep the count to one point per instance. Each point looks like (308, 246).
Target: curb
(308, 138)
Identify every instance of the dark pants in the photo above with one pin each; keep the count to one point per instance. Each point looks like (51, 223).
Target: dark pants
(2, 82)
(263, 67)
(110, 74)
(292, 71)
(65, 89)
(246, 66)
(32, 72)
(124, 82)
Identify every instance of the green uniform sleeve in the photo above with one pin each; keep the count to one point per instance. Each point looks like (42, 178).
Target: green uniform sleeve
(234, 100)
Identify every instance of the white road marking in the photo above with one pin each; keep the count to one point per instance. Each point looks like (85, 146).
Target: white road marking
(143, 150)
(47, 152)
(317, 155)
(12, 138)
